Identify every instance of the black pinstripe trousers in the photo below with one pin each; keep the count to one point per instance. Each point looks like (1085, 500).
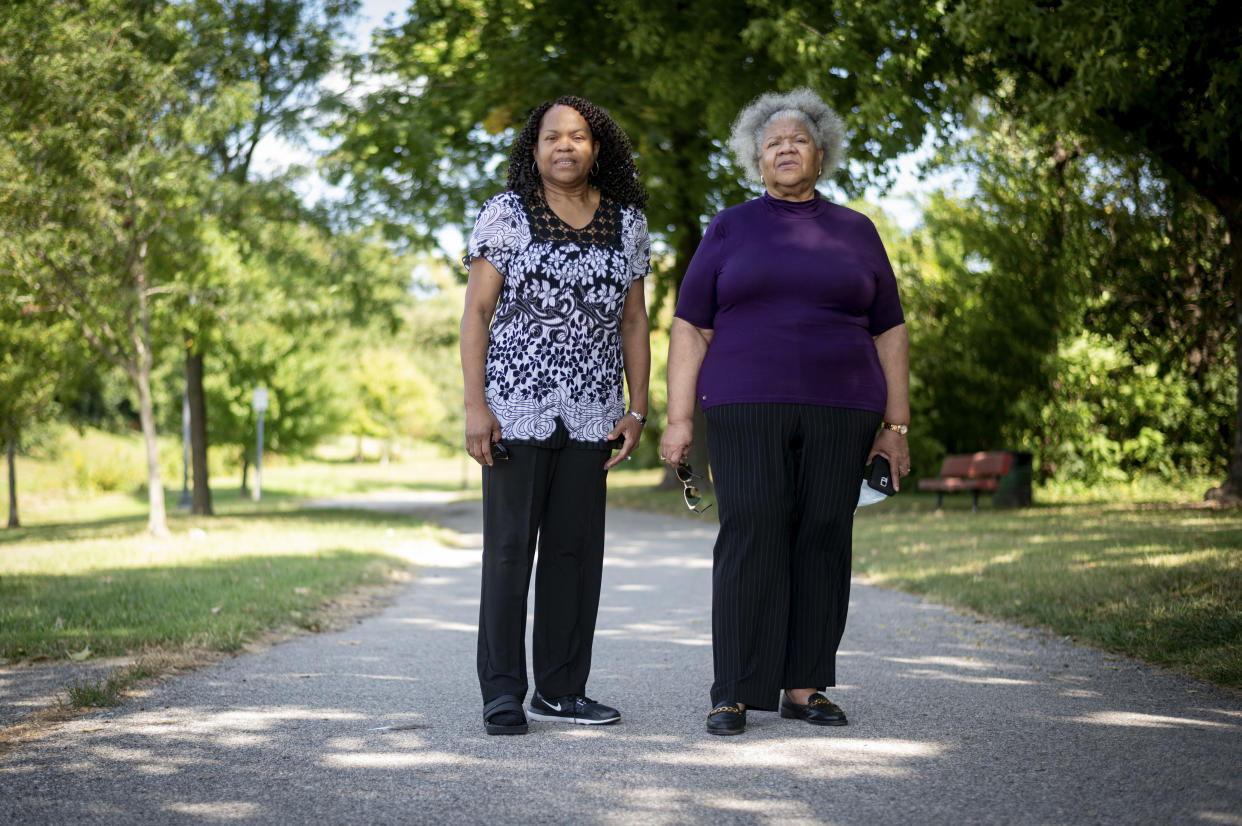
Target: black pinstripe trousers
(786, 479)
(555, 497)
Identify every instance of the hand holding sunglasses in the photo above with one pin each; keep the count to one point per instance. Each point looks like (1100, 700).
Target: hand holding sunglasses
(690, 491)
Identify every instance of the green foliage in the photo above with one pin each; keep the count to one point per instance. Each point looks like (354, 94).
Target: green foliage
(255, 68)
(1134, 86)
(1056, 311)
(1108, 416)
(33, 346)
(94, 172)
(392, 397)
(304, 383)
(424, 149)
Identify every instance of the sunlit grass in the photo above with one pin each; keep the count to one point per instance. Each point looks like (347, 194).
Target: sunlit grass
(637, 489)
(1161, 583)
(108, 588)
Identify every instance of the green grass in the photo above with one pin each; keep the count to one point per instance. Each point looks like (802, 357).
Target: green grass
(1143, 569)
(109, 691)
(107, 587)
(636, 490)
(1159, 581)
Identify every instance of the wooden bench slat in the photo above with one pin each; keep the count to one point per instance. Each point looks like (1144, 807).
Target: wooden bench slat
(975, 465)
(972, 472)
(951, 485)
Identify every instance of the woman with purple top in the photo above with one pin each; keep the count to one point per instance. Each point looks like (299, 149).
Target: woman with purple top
(790, 332)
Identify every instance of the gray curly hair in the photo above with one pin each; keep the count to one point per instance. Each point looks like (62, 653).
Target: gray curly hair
(827, 128)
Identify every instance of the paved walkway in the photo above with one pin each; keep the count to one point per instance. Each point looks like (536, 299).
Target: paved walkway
(952, 720)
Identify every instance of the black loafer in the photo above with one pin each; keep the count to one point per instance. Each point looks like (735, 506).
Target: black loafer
(818, 711)
(726, 718)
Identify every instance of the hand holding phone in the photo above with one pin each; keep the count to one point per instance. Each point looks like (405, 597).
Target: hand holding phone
(877, 482)
(880, 476)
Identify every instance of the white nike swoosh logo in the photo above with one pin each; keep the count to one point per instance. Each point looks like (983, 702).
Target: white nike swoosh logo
(556, 707)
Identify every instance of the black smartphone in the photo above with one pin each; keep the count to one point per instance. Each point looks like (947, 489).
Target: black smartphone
(500, 452)
(879, 476)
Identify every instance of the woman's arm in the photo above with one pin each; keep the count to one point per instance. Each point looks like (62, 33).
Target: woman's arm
(482, 293)
(893, 348)
(687, 347)
(636, 356)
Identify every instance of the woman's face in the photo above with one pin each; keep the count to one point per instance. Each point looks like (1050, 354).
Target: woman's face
(565, 150)
(788, 157)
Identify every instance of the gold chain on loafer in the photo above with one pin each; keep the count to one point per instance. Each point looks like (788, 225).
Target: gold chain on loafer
(719, 709)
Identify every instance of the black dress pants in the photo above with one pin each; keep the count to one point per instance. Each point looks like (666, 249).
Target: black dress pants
(786, 479)
(555, 498)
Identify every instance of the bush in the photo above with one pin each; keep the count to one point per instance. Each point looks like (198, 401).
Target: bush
(1108, 418)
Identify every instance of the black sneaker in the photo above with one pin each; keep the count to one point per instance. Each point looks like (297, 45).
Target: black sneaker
(572, 709)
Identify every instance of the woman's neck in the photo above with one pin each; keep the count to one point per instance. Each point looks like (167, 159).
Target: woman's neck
(581, 194)
(575, 205)
(799, 193)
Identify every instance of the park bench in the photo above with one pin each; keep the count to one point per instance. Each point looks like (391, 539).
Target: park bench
(969, 471)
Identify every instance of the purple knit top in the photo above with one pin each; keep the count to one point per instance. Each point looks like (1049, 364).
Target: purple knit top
(795, 291)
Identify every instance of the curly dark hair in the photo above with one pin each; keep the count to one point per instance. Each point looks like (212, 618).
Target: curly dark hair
(617, 176)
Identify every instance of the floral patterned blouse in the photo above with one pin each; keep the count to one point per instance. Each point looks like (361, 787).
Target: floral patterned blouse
(554, 352)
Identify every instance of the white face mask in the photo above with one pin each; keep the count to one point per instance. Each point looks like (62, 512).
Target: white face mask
(868, 495)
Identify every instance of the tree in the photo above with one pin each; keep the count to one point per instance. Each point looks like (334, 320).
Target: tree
(393, 398)
(1155, 81)
(30, 346)
(281, 321)
(92, 173)
(1064, 307)
(259, 65)
(421, 151)
(305, 374)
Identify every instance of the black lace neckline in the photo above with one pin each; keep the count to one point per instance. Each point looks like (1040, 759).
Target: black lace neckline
(604, 229)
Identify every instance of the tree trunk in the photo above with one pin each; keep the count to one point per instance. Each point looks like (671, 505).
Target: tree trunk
(198, 432)
(245, 488)
(1230, 491)
(157, 522)
(12, 451)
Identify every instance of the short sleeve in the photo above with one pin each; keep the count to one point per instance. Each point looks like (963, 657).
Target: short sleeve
(500, 232)
(638, 248)
(696, 299)
(886, 311)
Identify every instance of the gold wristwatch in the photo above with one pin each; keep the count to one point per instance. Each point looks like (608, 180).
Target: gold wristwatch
(899, 429)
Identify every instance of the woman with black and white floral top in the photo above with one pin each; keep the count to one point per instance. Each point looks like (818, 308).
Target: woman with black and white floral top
(554, 316)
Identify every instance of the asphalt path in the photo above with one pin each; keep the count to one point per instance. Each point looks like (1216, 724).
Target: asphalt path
(952, 720)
